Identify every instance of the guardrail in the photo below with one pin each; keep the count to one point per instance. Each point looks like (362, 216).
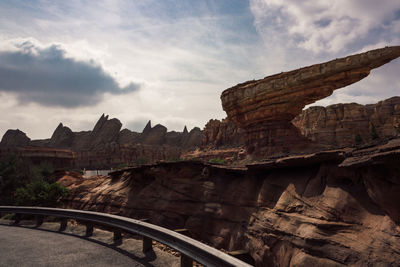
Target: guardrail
(189, 248)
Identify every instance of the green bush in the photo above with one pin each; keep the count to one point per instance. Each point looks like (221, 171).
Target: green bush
(40, 193)
(23, 183)
(217, 161)
(121, 166)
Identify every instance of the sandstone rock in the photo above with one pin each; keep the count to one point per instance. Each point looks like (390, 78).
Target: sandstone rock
(222, 134)
(62, 137)
(15, 138)
(154, 135)
(128, 137)
(192, 139)
(264, 108)
(338, 125)
(307, 210)
(105, 131)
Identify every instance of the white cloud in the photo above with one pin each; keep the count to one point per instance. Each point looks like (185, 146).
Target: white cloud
(323, 26)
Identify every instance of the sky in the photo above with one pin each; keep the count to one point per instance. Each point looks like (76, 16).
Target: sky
(169, 60)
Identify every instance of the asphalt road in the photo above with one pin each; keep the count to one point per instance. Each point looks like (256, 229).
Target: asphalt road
(21, 246)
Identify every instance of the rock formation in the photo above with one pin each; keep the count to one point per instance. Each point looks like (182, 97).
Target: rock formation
(337, 208)
(14, 138)
(105, 131)
(106, 146)
(222, 133)
(264, 108)
(352, 124)
(62, 137)
(335, 126)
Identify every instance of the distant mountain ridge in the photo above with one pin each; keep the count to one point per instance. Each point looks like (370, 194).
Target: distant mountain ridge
(107, 145)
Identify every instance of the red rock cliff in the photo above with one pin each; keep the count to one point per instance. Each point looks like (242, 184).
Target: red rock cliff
(342, 125)
(264, 108)
(335, 208)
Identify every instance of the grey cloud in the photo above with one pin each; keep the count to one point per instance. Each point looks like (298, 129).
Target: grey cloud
(46, 76)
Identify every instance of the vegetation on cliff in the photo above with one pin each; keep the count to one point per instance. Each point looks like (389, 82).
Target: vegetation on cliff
(22, 183)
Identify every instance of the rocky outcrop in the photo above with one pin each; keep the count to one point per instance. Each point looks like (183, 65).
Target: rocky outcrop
(333, 208)
(106, 146)
(62, 137)
(352, 124)
(105, 131)
(14, 138)
(113, 155)
(192, 139)
(264, 108)
(126, 137)
(222, 133)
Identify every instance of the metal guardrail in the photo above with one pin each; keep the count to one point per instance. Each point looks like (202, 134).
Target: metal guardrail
(189, 248)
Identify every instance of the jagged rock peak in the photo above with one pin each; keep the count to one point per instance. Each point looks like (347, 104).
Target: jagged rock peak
(62, 137)
(185, 130)
(15, 138)
(148, 127)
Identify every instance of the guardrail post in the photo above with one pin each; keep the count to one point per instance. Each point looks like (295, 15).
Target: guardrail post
(17, 218)
(117, 235)
(147, 244)
(89, 229)
(186, 261)
(39, 220)
(63, 224)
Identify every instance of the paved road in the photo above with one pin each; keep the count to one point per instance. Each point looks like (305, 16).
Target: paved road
(21, 246)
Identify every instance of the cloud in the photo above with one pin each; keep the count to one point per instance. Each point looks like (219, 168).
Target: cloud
(45, 75)
(327, 26)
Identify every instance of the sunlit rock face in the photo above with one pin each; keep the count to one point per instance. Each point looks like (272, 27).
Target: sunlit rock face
(264, 108)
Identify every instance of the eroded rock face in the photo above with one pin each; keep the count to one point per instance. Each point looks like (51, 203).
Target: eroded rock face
(107, 147)
(264, 108)
(339, 125)
(15, 138)
(105, 131)
(336, 208)
(62, 137)
(222, 133)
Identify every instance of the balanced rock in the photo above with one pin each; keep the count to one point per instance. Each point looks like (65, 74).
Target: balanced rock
(264, 108)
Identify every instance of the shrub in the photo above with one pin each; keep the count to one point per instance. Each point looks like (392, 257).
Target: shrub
(121, 166)
(40, 193)
(217, 161)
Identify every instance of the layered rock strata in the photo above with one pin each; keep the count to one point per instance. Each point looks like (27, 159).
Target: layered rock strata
(336, 126)
(107, 146)
(222, 133)
(333, 208)
(264, 108)
(351, 124)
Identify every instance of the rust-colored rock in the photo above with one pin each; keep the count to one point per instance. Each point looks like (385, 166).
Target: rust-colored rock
(222, 133)
(265, 107)
(332, 208)
(352, 124)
